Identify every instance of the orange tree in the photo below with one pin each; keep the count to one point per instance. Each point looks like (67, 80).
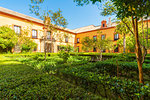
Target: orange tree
(135, 9)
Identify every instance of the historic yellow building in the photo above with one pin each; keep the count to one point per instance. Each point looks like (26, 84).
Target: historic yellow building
(19, 22)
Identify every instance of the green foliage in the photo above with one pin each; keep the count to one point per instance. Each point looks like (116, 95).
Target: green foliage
(19, 81)
(64, 55)
(130, 43)
(104, 84)
(29, 45)
(56, 18)
(26, 44)
(87, 44)
(8, 39)
(76, 60)
(100, 44)
(67, 48)
(103, 44)
(108, 8)
(64, 52)
(121, 28)
(47, 66)
(82, 2)
(94, 78)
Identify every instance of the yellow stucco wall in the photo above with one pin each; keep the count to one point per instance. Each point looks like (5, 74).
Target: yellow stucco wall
(108, 32)
(11, 20)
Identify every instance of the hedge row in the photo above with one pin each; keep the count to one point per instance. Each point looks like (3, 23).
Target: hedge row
(46, 88)
(109, 55)
(29, 54)
(105, 85)
(128, 69)
(21, 82)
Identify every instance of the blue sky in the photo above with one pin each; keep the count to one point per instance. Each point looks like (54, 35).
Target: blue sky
(76, 16)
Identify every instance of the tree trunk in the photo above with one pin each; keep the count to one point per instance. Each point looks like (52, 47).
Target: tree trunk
(147, 33)
(45, 49)
(124, 43)
(100, 55)
(138, 49)
(45, 43)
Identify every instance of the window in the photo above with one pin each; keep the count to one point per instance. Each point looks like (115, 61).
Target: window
(17, 29)
(102, 37)
(116, 36)
(94, 49)
(34, 33)
(116, 49)
(103, 25)
(48, 35)
(78, 40)
(66, 39)
(94, 38)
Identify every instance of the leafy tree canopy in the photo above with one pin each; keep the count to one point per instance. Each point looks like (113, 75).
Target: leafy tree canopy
(8, 38)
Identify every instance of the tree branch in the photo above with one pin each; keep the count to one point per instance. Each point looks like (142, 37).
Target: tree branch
(128, 27)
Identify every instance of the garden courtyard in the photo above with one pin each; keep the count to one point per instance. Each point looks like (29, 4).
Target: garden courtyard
(30, 77)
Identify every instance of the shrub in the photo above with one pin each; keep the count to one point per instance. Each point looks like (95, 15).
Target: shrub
(8, 39)
(64, 55)
(106, 85)
(76, 60)
(48, 67)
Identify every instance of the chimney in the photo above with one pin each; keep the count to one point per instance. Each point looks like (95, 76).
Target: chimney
(109, 23)
(103, 24)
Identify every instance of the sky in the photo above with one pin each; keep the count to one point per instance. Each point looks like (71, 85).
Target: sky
(76, 16)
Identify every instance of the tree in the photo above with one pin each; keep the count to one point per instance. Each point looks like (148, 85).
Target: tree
(52, 21)
(130, 43)
(122, 29)
(67, 48)
(98, 43)
(102, 44)
(8, 39)
(64, 52)
(26, 44)
(135, 9)
(87, 44)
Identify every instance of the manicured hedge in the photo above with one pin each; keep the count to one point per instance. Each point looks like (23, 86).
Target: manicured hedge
(46, 88)
(105, 85)
(22, 82)
(109, 55)
(129, 69)
(29, 54)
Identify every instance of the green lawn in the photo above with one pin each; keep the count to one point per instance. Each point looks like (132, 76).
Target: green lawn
(22, 82)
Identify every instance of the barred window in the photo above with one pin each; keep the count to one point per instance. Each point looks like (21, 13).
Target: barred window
(34, 33)
(17, 29)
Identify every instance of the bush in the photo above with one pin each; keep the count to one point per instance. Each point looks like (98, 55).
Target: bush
(8, 39)
(48, 67)
(76, 60)
(25, 48)
(44, 87)
(64, 55)
(106, 85)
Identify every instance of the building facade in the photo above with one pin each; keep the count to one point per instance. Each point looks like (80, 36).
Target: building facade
(62, 36)
(20, 22)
